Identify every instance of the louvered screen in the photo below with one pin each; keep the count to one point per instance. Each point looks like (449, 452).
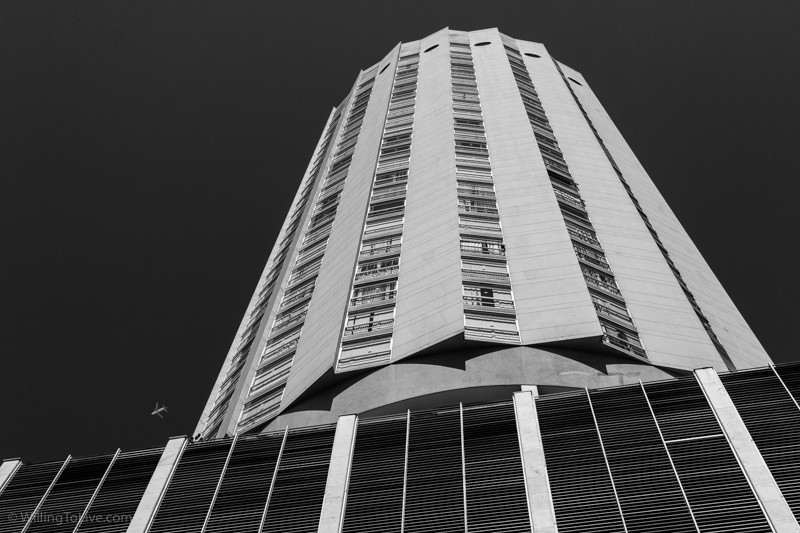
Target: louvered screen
(70, 495)
(243, 494)
(296, 500)
(116, 501)
(773, 420)
(647, 488)
(375, 489)
(583, 496)
(23, 493)
(790, 374)
(434, 486)
(717, 490)
(496, 498)
(185, 503)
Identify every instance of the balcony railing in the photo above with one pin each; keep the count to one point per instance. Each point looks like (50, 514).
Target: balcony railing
(485, 301)
(595, 260)
(607, 287)
(624, 345)
(478, 210)
(280, 349)
(483, 274)
(555, 166)
(378, 273)
(606, 311)
(372, 327)
(479, 250)
(380, 250)
(372, 298)
(288, 322)
(569, 198)
(583, 236)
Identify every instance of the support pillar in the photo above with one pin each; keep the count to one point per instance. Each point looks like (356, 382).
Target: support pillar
(151, 499)
(766, 489)
(8, 468)
(332, 515)
(537, 486)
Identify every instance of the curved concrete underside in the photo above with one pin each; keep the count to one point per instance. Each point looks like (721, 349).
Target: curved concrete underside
(467, 376)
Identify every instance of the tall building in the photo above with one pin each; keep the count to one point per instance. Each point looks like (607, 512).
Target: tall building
(471, 221)
(481, 316)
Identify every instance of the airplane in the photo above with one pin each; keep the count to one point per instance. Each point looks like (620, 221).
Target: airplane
(159, 410)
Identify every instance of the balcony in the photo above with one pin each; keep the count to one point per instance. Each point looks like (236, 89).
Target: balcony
(555, 165)
(624, 345)
(474, 210)
(284, 324)
(374, 251)
(601, 285)
(375, 298)
(595, 260)
(379, 327)
(584, 236)
(280, 348)
(607, 312)
(569, 199)
(486, 301)
(481, 251)
(491, 334)
(483, 275)
(377, 273)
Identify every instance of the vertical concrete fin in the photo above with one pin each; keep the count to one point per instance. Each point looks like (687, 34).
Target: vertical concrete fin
(537, 486)
(8, 468)
(151, 499)
(330, 520)
(766, 489)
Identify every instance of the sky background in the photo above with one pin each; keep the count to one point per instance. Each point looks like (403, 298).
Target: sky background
(149, 152)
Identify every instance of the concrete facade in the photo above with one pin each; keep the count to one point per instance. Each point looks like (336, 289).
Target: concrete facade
(155, 490)
(670, 313)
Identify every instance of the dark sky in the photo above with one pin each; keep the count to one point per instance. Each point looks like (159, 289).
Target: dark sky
(149, 151)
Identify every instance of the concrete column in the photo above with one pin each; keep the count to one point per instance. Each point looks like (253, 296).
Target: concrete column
(772, 501)
(537, 486)
(151, 499)
(8, 468)
(330, 520)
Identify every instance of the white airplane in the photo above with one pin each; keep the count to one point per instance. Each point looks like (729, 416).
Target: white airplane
(159, 410)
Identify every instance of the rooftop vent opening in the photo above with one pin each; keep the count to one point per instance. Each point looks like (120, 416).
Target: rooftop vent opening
(529, 54)
(575, 81)
(431, 48)
(484, 43)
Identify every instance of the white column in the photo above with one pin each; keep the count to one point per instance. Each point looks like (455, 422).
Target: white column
(151, 499)
(537, 486)
(330, 520)
(766, 489)
(8, 468)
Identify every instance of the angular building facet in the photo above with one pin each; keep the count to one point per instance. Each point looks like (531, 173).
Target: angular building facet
(471, 222)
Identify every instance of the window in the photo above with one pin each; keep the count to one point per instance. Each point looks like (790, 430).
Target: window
(374, 293)
(373, 269)
(483, 246)
(488, 297)
(431, 48)
(374, 321)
